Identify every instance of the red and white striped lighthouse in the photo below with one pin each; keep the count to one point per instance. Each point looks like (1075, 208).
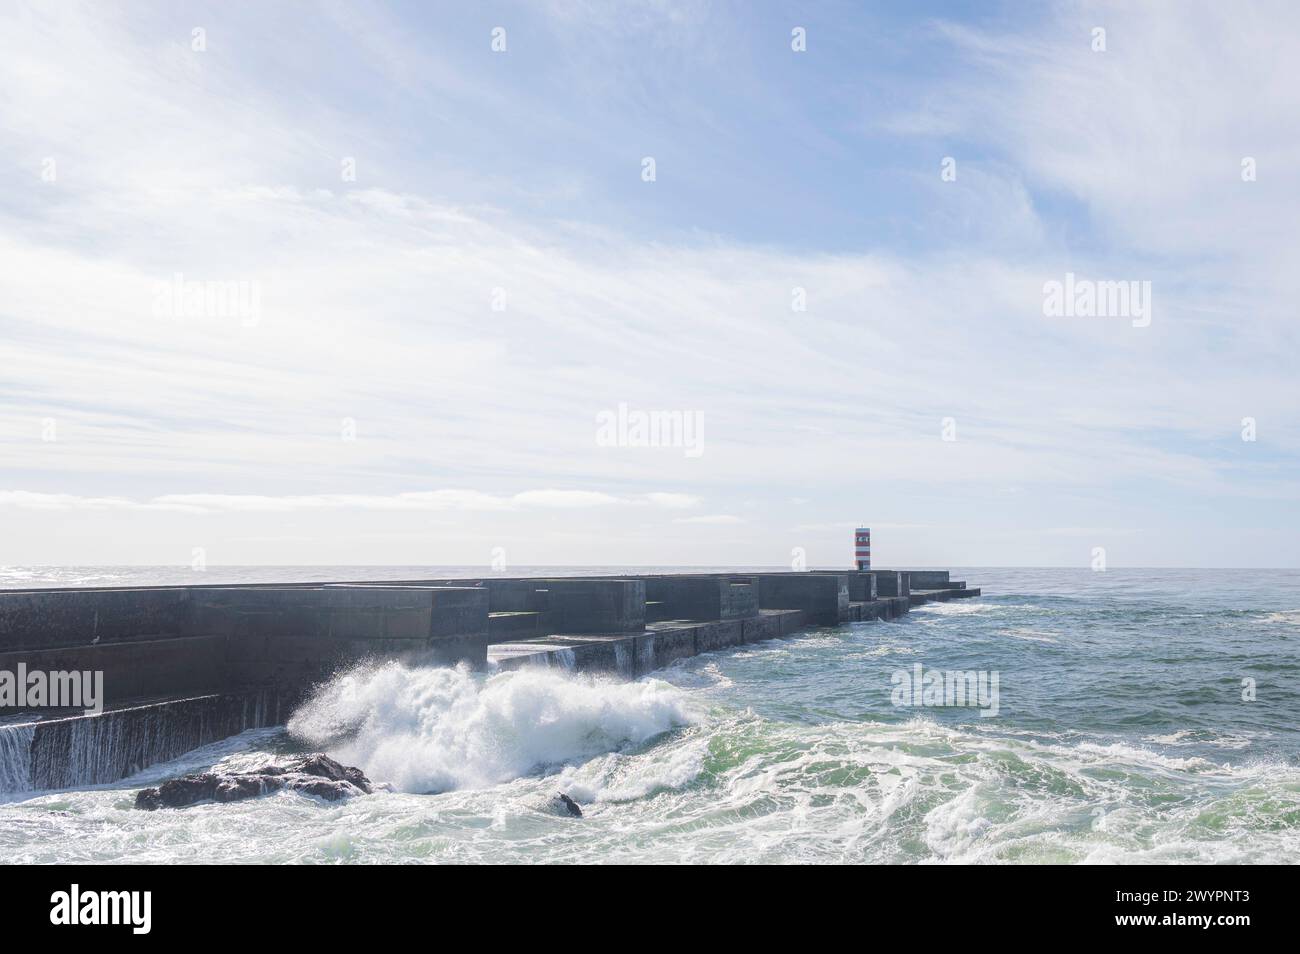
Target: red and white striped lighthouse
(862, 548)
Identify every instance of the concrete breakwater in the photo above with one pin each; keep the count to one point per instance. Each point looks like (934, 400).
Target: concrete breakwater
(185, 666)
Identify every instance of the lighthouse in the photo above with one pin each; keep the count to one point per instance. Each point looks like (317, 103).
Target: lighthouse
(862, 548)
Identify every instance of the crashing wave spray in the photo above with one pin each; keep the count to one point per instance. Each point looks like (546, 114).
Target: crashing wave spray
(426, 729)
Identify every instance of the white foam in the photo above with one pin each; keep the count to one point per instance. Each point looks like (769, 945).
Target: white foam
(621, 778)
(1284, 618)
(883, 651)
(953, 608)
(427, 729)
(958, 826)
(1172, 738)
(1031, 635)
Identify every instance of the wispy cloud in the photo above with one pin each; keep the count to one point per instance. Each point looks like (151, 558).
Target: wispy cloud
(456, 316)
(428, 500)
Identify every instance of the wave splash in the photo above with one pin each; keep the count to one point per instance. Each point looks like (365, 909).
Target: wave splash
(435, 730)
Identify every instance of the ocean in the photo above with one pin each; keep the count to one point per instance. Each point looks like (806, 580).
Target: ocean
(1142, 716)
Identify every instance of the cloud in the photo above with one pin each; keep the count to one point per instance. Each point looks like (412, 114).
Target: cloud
(564, 498)
(1091, 533)
(39, 501)
(451, 319)
(1148, 135)
(675, 501)
(431, 500)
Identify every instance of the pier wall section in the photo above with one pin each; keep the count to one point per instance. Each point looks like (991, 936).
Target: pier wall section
(702, 598)
(824, 598)
(187, 666)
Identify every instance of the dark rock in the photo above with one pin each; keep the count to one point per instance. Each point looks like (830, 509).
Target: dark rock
(317, 775)
(570, 805)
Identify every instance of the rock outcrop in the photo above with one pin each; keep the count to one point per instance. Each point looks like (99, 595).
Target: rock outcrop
(317, 775)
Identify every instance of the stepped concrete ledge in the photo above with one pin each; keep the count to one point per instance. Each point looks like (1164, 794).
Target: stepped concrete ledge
(186, 666)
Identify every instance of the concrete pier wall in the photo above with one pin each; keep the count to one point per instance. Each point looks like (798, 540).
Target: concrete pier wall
(142, 639)
(569, 604)
(638, 654)
(94, 750)
(300, 634)
(174, 641)
(187, 666)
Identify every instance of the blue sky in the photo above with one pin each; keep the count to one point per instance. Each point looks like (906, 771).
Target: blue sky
(378, 408)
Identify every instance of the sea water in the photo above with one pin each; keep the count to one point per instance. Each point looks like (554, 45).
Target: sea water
(1143, 716)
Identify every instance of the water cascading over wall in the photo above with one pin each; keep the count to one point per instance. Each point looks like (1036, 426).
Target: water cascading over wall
(16, 758)
(72, 752)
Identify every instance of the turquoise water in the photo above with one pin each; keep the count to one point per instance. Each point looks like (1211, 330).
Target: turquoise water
(1121, 735)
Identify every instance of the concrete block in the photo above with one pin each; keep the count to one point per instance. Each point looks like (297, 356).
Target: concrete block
(596, 606)
(875, 609)
(888, 583)
(458, 612)
(760, 628)
(506, 656)
(862, 586)
(137, 669)
(791, 620)
(656, 611)
(295, 633)
(823, 597)
(929, 579)
(701, 597)
(723, 634)
(506, 626)
(515, 596)
(45, 619)
(612, 656)
(662, 646)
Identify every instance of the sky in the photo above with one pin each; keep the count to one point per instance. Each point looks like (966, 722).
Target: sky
(407, 283)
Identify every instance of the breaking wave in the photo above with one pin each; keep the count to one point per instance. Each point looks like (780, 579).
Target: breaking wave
(437, 729)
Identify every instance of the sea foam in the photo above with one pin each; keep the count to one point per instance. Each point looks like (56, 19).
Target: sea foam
(438, 729)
